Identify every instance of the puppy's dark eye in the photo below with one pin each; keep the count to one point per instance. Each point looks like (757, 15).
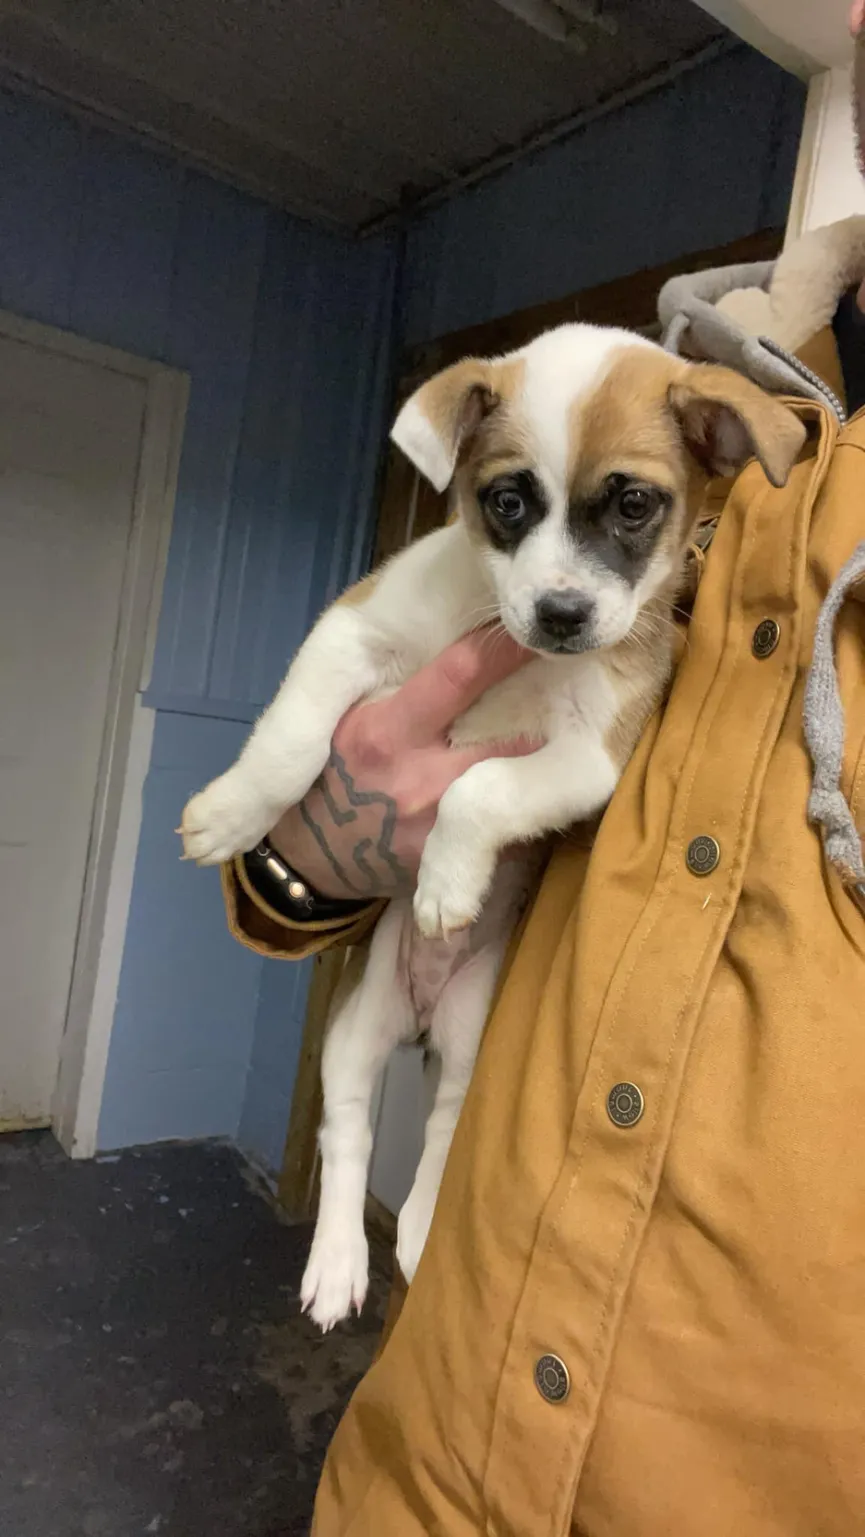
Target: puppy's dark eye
(636, 503)
(507, 504)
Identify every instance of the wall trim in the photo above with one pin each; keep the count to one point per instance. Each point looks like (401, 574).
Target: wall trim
(78, 1101)
(828, 184)
(214, 709)
(127, 734)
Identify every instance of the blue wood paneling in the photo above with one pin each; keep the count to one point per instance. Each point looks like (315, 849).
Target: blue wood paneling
(279, 327)
(301, 481)
(273, 1061)
(218, 259)
(128, 232)
(699, 163)
(288, 349)
(41, 175)
(187, 999)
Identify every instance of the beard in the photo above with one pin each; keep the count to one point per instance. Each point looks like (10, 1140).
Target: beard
(859, 96)
(859, 120)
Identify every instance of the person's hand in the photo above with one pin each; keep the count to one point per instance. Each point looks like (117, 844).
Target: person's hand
(360, 831)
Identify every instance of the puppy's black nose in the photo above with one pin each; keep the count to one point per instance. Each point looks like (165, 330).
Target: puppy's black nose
(560, 616)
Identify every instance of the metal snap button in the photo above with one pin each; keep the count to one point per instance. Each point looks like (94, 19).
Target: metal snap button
(703, 855)
(552, 1380)
(625, 1104)
(766, 637)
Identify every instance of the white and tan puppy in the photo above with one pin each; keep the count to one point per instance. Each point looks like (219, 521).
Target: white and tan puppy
(576, 465)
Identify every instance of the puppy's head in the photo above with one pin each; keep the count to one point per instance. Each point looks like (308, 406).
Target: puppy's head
(576, 464)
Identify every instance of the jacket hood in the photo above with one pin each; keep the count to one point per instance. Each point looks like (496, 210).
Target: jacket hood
(755, 317)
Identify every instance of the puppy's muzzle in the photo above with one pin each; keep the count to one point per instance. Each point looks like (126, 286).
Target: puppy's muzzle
(563, 620)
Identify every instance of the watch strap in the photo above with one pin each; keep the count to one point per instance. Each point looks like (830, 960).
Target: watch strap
(289, 892)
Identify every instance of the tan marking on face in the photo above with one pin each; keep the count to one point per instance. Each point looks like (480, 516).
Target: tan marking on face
(626, 427)
(626, 423)
(654, 412)
(635, 423)
(462, 399)
(456, 394)
(500, 445)
(483, 468)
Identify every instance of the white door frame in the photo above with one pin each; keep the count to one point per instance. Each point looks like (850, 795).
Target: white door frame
(828, 183)
(127, 735)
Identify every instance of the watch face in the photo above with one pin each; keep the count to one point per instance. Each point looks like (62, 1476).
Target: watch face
(288, 892)
(280, 885)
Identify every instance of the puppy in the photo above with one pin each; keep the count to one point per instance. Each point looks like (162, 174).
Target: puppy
(576, 466)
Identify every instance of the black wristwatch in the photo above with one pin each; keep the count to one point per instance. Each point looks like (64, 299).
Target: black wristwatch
(290, 893)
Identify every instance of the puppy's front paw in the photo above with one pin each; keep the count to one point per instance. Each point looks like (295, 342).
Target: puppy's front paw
(439, 914)
(336, 1277)
(452, 884)
(226, 818)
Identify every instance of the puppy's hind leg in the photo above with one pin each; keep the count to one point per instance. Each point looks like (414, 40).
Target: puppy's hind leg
(457, 1027)
(360, 1038)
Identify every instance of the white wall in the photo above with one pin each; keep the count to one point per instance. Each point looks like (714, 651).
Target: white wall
(828, 184)
(802, 35)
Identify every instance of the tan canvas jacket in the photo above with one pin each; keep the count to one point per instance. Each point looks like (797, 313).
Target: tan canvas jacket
(693, 1282)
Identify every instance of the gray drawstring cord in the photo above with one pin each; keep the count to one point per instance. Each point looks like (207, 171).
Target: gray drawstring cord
(824, 733)
(693, 326)
(807, 374)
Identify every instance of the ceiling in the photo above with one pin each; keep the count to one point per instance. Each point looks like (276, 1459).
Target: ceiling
(344, 110)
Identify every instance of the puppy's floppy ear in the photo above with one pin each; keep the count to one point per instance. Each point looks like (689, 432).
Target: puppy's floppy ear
(726, 420)
(441, 416)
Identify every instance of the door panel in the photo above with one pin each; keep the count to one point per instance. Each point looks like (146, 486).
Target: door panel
(70, 438)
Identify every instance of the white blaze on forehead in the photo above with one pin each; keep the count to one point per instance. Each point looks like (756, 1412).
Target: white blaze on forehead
(561, 367)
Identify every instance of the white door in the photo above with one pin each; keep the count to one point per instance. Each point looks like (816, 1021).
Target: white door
(70, 442)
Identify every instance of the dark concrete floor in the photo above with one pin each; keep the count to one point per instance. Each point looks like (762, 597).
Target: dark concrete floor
(155, 1374)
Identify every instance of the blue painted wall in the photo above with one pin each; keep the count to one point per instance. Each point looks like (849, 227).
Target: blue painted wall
(285, 332)
(702, 162)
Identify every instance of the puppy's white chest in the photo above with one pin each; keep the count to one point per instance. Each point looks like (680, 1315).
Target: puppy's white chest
(544, 699)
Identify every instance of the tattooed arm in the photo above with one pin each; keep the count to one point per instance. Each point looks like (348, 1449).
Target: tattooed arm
(361, 829)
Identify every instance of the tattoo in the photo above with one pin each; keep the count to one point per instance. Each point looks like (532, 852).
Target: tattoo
(360, 854)
(339, 817)
(323, 844)
(375, 869)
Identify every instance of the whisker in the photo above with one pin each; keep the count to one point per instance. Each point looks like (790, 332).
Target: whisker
(483, 614)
